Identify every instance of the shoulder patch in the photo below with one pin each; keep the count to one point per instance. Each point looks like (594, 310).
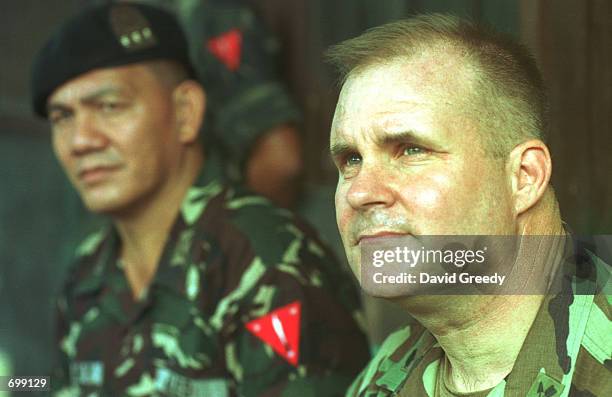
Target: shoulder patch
(280, 329)
(227, 48)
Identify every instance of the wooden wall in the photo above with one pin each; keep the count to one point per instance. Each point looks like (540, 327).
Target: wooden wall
(573, 42)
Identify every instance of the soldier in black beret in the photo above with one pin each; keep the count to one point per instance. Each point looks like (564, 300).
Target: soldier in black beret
(195, 288)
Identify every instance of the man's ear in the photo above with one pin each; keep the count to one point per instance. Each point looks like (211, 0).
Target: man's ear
(530, 170)
(190, 106)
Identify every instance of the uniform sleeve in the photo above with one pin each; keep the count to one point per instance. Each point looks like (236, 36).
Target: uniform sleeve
(331, 348)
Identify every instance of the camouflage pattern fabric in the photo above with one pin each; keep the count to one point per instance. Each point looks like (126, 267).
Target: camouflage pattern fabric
(567, 352)
(231, 258)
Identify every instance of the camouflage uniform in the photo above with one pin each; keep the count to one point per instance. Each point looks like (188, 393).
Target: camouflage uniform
(230, 258)
(567, 350)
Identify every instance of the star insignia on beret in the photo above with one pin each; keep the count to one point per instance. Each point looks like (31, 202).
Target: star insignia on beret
(131, 28)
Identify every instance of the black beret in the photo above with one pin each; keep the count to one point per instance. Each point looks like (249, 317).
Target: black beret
(112, 34)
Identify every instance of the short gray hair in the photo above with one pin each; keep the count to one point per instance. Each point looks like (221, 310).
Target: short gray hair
(508, 97)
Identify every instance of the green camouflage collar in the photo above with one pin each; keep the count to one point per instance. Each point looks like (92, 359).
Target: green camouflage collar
(173, 271)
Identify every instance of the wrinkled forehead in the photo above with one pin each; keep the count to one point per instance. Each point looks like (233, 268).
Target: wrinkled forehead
(378, 95)
(364, 88)
(421, 84)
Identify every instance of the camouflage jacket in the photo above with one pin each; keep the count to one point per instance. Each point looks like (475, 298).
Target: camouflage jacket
(567, 351)
(245, 302)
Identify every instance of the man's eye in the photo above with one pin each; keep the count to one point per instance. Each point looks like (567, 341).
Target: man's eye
(353, 159)
(110, 106)
(413, 151)
(57, 117)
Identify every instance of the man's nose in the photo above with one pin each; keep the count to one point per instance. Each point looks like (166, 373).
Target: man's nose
(371, 188)
(88, 136)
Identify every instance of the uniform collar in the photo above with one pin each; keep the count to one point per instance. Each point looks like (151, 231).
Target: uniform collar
(396, 370)
(178, 257)
(546, 361)
(101, 248)
(401, 352)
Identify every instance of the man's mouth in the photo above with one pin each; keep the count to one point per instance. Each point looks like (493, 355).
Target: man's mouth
(96, 174)
(378, 235)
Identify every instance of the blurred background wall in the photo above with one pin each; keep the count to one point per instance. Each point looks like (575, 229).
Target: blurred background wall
(41, 217)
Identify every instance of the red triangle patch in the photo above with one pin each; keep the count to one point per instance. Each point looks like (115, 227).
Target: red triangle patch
(227, 47)
(280, 330)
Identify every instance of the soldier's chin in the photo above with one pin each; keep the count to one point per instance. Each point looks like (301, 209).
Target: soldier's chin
(102, 205)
